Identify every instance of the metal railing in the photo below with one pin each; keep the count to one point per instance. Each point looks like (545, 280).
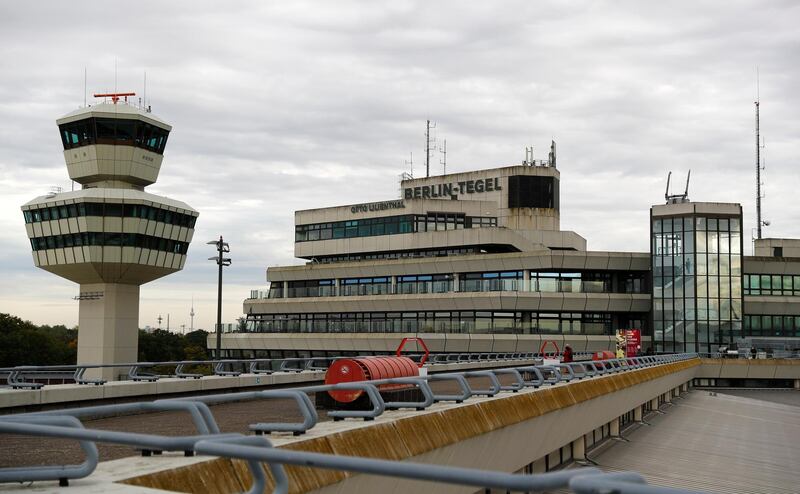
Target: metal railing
(20, 377)
(257, 450)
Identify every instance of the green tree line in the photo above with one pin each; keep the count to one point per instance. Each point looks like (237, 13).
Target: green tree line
(25, 343)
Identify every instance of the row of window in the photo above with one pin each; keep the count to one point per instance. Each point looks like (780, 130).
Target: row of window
(109, 239)
(772, 325)
(389, 225)
(407, 254)
(110, 210)
(435, 322)
(668, 225)
(588, 282)
(772, 284)
(117, 131)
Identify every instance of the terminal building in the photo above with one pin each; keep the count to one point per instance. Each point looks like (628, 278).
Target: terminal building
(477, 262)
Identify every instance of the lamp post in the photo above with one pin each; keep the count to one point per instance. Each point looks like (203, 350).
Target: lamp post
(222, 248)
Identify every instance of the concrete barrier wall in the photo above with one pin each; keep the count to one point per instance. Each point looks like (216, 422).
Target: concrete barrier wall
(748, 369)
(14, 400)
(504, 433)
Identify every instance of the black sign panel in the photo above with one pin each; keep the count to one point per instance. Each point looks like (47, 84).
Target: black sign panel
(526, 191)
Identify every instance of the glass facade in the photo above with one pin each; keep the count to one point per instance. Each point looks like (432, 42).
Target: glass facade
(117, 131)
(587, 323)
(697, 282)
(109, 209)
(390, 225)
(110, 239)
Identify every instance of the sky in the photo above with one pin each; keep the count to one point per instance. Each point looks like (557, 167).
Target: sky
(280, 106)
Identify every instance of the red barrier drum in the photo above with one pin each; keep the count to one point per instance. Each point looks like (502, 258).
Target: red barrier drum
(349, 370)
(603, 355)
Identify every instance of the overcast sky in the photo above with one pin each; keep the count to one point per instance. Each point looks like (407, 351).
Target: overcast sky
(278, 106)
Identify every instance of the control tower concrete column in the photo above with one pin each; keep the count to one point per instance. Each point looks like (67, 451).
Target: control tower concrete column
(109, 326)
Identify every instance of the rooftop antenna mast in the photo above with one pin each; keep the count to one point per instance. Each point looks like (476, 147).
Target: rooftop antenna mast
(677, 198)
(410, 163)
(759, 222)
(443, 161)
(428, 128)
(84, 87)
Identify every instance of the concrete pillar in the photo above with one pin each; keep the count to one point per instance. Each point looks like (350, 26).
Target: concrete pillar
(394, 284)
(654, 403)
(668, 396)
(614, 427)
(108, 327)
(285, 289)
(638, 414)
(526, 280)
(456, 281)
(579, 448)
(797, 384)
(336, 287)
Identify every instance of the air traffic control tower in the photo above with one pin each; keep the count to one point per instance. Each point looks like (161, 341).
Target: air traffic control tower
(110, 236)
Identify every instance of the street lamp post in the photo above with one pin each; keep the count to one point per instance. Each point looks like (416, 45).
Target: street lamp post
(222, 248)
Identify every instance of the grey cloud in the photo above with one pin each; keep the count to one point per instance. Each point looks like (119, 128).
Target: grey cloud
(278, 106)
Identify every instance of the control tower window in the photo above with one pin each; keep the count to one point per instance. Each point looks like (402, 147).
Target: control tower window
(124, 132)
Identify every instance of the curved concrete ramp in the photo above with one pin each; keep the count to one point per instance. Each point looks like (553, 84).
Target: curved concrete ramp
(504, 433)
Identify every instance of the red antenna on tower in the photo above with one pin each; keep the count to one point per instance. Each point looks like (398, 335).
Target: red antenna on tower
(115, 96)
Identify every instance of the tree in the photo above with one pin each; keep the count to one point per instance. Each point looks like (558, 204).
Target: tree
(24, 343)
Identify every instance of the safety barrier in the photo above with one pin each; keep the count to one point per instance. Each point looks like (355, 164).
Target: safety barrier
(256, 450)
(20, 377)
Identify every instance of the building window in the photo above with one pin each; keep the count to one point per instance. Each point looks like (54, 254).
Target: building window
(435, 283)
(463, 322)
(311, 288)
(491, 282)
(389, 225)
(772, 284)
(109, 239)
(110, 209)
(116, 131)
(365, 286)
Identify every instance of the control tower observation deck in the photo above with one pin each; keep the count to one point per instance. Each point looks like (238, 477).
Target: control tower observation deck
(111, 236)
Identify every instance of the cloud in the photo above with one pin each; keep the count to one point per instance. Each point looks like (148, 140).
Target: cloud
(282, 106)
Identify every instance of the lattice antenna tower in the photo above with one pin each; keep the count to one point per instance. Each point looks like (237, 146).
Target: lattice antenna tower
(428, 141)
(443, 161)
(759, 167)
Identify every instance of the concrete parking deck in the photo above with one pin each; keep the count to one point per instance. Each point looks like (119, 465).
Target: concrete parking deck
(715, 443)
